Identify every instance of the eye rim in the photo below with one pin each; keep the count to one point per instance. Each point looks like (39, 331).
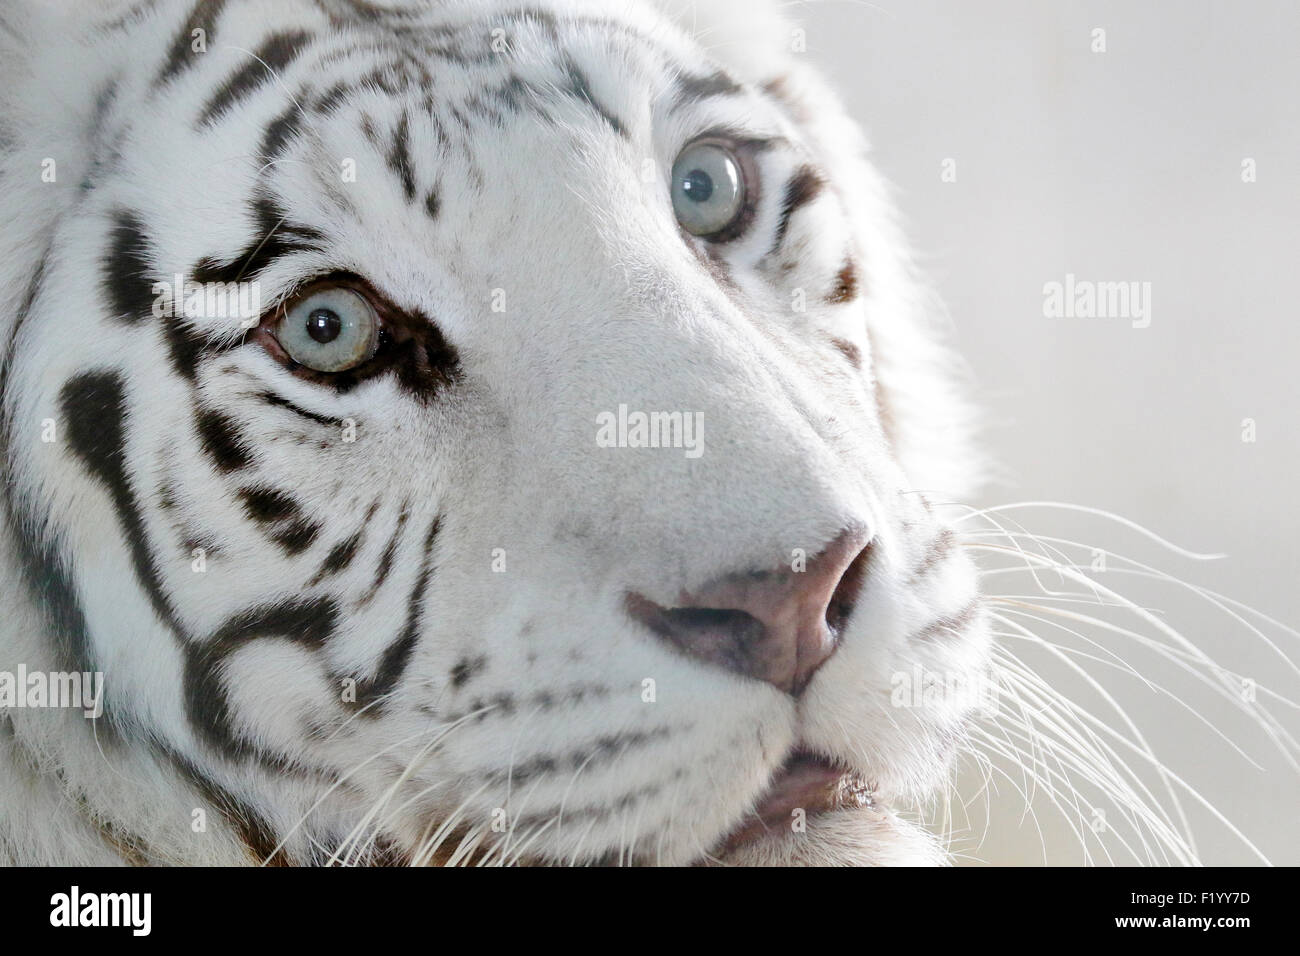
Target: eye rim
(291, 315)
(390, 331)
(742, 153)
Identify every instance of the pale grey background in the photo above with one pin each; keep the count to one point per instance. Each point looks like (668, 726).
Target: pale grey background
(1123, 165)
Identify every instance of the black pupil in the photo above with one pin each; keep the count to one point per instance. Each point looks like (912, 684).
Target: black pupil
(324, 325)
(698, 185)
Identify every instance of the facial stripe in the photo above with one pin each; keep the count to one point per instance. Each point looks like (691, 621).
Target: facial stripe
(220, 439)
(846, 284)
(849, 351)
(937, 550)
(590, 755)
(399, 157)
(692, 89)
(806, 186)
(44, 567)
(308, 624)
(268, 64)
(372, 693)
(580, 87)
(128, 285)
(952, 626)
(339, 557)
(181, 56)
(184, 347)
(94, 411)
(282, 518)
(386, 559)
(276, 236)
(252, 829)
(278, 401)
(281, 133)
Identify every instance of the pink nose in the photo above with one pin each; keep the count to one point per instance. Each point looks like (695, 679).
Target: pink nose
(775, 626)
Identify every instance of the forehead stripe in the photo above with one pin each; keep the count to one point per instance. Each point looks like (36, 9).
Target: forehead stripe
(268, 62)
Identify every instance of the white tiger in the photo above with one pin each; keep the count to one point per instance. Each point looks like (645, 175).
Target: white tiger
(364, 577)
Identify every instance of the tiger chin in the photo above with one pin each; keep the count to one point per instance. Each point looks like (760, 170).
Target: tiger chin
(319, 312)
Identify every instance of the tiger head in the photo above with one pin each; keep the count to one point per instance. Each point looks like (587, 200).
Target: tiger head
(469, 431)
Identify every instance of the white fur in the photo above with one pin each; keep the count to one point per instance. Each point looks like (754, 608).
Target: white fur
(606, 304)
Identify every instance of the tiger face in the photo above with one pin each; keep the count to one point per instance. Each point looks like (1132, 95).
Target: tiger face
(554, 484)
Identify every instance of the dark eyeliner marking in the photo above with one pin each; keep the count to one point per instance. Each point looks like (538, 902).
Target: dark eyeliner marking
(270, 398)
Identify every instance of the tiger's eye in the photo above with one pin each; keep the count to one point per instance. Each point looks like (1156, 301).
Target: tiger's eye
(324, 325)
(329, 329)
(708, 189)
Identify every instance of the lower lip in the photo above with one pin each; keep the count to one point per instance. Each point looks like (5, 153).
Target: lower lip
(807, 782)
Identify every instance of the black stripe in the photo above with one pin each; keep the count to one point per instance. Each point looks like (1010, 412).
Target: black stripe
(306, 623)
(386, 559)
(467, 669)
(296, 536)
(591, 755)
(691, 89)
(270, 398)
(45, 570)
(326, 102)
(371, 693)
(128, 17)
(127, 274)
(271, 58)
(806, 186)
(340, 557)
(281, 132)
(185, 347)
(580, 87)
(952, 627)
(286, 524)
(846, 284)
(269, 505)
(426, 363)
(220, 438)
(181, 57)
(849, 351)
(399, 157)
(275, 236)
(252, 828)
(95, 416)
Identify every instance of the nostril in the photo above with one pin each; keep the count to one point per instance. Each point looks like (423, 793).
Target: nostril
(724, 637)
(723, 620)
(840, 607)
(776, 626)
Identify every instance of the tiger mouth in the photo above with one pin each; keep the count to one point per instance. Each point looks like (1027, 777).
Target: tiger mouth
(807, 782)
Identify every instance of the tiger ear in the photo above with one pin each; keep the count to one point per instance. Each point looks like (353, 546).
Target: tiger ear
(749, 38)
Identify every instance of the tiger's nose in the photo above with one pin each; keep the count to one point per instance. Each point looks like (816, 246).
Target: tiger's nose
(775, 626)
